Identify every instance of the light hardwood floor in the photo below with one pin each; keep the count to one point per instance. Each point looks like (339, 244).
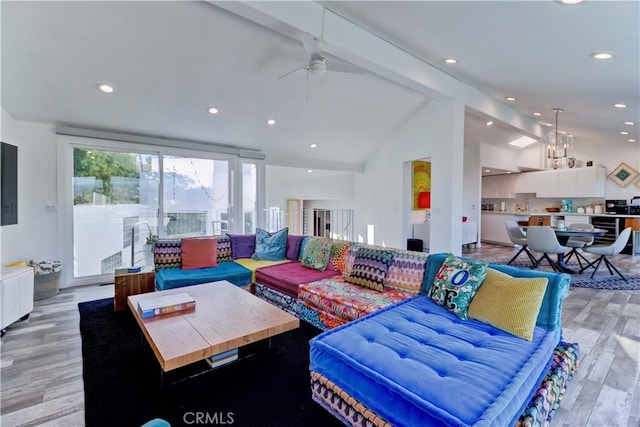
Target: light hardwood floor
(41, 361)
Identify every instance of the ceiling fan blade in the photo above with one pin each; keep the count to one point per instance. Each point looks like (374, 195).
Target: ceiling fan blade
(344, 67)
(312, 46)
(293, 71)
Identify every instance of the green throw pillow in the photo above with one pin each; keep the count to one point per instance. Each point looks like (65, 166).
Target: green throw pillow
(316, 253)
(456, 283)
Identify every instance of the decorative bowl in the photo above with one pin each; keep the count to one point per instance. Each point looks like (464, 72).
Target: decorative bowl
(553, 209)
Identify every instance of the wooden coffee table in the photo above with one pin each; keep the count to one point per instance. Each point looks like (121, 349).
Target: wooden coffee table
(225, 318)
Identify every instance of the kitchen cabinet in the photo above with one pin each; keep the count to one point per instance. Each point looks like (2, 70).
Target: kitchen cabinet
(498, 187)
(526, 183)
(16, 287)
(547, 184)
(493, 228)
(562, 183)
(590, 182)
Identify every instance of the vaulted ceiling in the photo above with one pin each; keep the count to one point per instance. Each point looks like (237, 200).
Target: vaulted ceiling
(170, 61)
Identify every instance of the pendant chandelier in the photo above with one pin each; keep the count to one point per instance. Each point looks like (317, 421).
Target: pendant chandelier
(559, 145)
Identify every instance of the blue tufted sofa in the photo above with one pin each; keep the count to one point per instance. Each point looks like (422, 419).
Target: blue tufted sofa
(416, 364)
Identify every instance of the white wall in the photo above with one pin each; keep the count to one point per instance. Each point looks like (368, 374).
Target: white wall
(283, 183)
(610, 154)
(36, 234)
(498, 158)
(472, 183)
(382, 190)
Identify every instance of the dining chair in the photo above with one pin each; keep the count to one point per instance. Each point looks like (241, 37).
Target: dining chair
(544, 239)
(608, 250)
(579, 242)
(537, 220)
(517, 237)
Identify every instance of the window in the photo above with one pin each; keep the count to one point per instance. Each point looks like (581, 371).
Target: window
(122, 193)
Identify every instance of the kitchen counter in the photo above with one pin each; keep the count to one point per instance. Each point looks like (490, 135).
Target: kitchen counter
(545, 213)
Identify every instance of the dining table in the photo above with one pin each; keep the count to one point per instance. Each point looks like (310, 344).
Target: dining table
(563, 235)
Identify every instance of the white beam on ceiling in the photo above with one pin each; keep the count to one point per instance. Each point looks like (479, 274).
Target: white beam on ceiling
(351, 42)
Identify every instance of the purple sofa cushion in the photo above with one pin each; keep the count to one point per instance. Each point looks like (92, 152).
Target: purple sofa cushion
(293, 246)
(286, 278)
(242, 245)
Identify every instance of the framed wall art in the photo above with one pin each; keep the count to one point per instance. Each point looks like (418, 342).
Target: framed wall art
(421, 175)
(623, 174)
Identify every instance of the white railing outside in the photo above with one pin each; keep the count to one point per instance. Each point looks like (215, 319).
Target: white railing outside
(333, 223)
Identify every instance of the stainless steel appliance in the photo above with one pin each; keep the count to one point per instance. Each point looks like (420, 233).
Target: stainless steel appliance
(616, 207)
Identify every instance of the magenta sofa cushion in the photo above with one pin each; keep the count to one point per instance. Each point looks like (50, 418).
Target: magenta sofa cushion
(286, 278)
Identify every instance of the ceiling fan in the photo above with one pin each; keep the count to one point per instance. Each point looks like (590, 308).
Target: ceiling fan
(319, 64)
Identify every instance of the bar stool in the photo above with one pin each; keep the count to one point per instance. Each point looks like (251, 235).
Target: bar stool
(634, 224)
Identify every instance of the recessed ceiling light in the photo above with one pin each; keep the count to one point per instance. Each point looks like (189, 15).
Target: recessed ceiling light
(271, 122)
(537, 114)
(629, 123)
(450, 61)
(547, 124)
(624, 132)
(313, 146)
(631, 140)
(103, 87)
(489, 123)
(620, 105)
(510, 98)
(213, 110)
(571, 1)
(508, 171)
(601, 55)
(309, 170)
(487, 170)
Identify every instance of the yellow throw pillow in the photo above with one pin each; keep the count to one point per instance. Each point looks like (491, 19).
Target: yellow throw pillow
(509, 303)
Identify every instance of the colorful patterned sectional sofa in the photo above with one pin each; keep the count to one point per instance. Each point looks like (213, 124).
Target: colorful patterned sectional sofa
(323, 297)
(417, 363)
(327, 299)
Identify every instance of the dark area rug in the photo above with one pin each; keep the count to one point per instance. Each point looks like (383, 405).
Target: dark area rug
(602, 280)
(122, 380)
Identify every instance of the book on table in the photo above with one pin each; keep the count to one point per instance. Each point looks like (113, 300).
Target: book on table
(223, 358)
(156, 306)
(127, 270)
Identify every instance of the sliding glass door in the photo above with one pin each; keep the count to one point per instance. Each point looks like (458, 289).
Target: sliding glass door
(115, 209)
(196, 196)
(123, 196)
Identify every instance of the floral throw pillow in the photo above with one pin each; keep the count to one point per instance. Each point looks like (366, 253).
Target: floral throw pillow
(456, 283)
(316, 253)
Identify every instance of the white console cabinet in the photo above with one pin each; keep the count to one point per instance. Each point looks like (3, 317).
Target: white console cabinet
(469, 233)
(16, 301)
